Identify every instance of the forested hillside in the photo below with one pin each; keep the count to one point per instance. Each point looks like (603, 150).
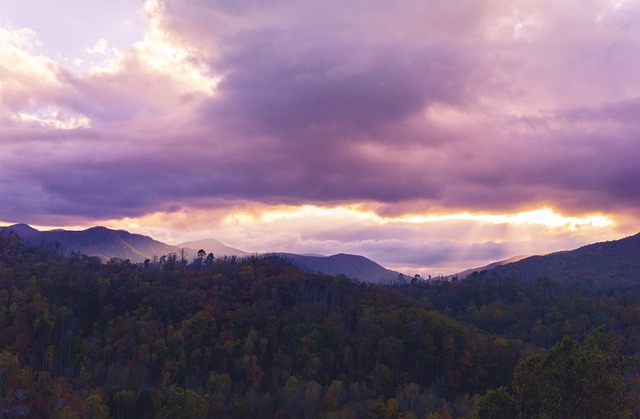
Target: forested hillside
(604, 265)
(258, 338)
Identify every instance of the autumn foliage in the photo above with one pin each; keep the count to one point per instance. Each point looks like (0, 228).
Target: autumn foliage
(223, 337)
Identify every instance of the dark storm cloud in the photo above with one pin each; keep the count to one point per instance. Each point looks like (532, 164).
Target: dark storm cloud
(481, 108)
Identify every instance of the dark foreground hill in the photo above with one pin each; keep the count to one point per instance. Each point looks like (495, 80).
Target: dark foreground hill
(611, 264)
(256, 337)
(234, 338)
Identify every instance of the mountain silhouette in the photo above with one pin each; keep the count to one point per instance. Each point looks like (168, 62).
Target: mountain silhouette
(612, 263)
(106, 244)
(352, 266)
(95, 241)
(212, 246)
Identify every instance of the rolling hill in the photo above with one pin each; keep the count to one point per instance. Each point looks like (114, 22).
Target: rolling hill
(491, 266)
(95, 241)
(352, 266)
(212, 246)
(612, 263)
(106, 243)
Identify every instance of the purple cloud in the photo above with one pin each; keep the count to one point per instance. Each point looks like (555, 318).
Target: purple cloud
(486, 107)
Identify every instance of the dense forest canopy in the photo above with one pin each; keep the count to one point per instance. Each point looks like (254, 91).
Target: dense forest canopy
(257, 337)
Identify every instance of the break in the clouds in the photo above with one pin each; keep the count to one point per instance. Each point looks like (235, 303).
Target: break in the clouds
(404, 108)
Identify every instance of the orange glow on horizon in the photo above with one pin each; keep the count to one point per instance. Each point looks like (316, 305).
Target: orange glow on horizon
(543, 216)
(191, 220)
(358, 229)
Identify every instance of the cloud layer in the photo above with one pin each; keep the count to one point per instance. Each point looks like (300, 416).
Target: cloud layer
(406, 107)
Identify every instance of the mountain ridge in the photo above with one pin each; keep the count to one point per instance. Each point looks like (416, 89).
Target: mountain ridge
(95, 241)
(106, 243)
(614, 262)
(352, 266)
(488, 267)
(212, 246)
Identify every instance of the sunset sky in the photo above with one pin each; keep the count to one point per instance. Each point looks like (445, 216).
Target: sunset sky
(428, 135)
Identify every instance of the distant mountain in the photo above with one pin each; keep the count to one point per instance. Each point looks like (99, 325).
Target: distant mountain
(467, 272)
(212, 246)
(25, 231)
(612, 263)
(96, 241)
(107, 243)
(352, 266)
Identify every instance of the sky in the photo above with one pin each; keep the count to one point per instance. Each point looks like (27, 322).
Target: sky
(428, 135)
